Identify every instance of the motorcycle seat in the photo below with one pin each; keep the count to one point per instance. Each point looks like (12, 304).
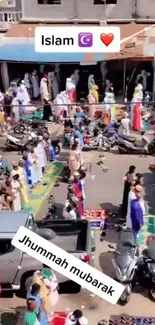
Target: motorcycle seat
(128, 138)
(17, 136)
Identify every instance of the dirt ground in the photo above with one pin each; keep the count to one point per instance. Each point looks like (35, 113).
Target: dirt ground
(104, 191)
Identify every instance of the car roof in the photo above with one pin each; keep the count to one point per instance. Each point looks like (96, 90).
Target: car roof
(10, 222)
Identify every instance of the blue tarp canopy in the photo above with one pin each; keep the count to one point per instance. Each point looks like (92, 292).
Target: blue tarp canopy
(11, 51)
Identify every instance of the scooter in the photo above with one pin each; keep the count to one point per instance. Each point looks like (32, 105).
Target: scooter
(57, 145)
(100, 142)
(124, 261)
(147, 147)
(145, 272)
(18, 143)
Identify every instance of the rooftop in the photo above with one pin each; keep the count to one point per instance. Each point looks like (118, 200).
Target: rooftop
(11, 221)
(133, 37)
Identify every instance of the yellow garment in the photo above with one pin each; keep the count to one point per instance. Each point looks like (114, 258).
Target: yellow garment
(94, 92)
(23, 188)
(2, 118)
(44, 291)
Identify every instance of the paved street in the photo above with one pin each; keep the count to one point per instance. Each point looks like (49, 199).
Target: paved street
(105, 191)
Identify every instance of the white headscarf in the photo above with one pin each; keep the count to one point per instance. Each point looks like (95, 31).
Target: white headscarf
(27, 81)
(44, 89)
(22, 94)
(65, 100)
(91, 81)
(69, 84)
(59, 101)
(75, 77)
(70, 320)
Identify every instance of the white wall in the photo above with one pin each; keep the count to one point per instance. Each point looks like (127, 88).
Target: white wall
(84, 9)
(146, 8)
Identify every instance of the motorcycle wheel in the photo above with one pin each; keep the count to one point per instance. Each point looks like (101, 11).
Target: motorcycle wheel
(19, 129)
(106, 145)
(152, 294)
(124, 299)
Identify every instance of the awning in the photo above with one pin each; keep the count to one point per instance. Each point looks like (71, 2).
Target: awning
(26, 53)
(137, 41)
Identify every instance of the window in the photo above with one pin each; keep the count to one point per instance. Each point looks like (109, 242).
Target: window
(5, 246)
(105, 2)
(49, 2)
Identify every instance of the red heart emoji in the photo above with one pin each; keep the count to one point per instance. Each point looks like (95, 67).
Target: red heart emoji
(107, 38)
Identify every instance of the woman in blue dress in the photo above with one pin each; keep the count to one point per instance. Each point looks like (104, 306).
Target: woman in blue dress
(34, 293)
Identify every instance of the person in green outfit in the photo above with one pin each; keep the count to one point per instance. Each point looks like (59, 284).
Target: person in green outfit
(32, 314)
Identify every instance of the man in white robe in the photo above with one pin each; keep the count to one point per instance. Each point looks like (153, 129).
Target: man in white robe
(142, 77)
(28, 83)
(66, 102)
(41, 154)
(23, 99)
(54, 85)
(75, 77)
(44, 90)
(58, 109)
(35, 84)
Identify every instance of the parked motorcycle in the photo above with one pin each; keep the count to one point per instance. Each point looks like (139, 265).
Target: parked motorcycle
(145, 272)
(57, 145)
(100, 142)
(27, 125)
(18, 143)
(146, 147)
(124, 261)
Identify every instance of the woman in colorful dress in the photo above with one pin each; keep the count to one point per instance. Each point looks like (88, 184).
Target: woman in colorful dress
(136, 104)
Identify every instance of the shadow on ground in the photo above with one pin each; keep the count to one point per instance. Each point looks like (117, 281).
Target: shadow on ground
(109, 206)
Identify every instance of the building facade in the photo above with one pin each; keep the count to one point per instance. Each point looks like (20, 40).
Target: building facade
(92, 10)
(10, 13)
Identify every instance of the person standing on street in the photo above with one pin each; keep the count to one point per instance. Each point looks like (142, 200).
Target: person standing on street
(137, 218)
(129, 177)
(32, 314)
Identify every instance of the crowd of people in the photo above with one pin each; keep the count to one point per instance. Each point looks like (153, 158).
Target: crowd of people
(18, 99)
(16, 182)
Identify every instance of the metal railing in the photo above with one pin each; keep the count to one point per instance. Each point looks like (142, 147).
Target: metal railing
(9, 18)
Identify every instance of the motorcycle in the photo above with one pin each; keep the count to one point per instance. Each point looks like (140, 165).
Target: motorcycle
(124, 261)
(18, 143)
(57, 145)
(100, 142)
(147, 146)
(68, 136)
(145, 272)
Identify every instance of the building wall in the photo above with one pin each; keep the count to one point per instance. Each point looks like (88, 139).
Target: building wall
(80, 9)
(84, 9)
(16, 7)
